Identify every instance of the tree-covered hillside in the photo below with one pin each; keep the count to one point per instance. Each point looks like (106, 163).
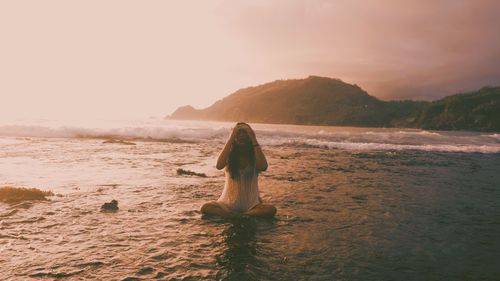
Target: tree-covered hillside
(326, 101)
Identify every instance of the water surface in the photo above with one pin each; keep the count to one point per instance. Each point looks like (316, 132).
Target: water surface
(353, 204)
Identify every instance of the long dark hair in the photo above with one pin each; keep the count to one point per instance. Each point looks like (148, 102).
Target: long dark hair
(234, 157)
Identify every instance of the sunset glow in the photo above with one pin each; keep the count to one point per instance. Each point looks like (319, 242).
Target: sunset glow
(117, 59)
(249, 140)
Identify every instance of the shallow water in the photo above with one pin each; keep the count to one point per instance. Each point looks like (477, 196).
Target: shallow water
(385, 205)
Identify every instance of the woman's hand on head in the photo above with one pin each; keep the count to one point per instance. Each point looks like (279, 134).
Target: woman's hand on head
(248, 130)
(250, 133)
(234, 130)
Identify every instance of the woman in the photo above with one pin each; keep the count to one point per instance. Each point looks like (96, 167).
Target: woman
(242, 159)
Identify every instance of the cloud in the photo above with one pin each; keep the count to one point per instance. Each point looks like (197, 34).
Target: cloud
(394, 49)
(128, 58)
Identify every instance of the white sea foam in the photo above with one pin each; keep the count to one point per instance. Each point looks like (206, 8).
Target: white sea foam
(388, 146)
(147, 132)
(494, 136)
(273, 135)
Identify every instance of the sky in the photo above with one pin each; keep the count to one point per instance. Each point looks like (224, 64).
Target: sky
(136, 59)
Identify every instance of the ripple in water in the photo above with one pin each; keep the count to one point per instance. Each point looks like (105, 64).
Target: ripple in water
(342, 215)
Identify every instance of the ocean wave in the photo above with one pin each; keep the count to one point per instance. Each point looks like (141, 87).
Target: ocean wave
(408, 132)
(273, 135)
(155, 133)
(493, 136)
(389, 146)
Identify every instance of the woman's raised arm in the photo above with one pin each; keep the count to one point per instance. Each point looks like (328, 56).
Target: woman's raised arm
(260, 158)
(223, 157)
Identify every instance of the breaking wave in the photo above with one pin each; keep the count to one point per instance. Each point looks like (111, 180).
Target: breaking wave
(273, 135)
(136, 133)
(398, 147)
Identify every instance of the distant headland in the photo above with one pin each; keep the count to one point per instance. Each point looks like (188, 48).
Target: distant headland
(327, 101)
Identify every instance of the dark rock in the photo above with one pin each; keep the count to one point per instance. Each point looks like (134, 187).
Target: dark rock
(9, 194)
(190, 173)
(110, 207)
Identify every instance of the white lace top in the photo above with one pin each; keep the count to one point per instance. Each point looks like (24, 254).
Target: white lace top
(242, 193)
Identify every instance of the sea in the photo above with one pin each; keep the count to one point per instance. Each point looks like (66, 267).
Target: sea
(353, 203)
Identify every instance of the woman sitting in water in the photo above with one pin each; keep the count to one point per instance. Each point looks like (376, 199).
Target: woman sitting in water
(242, 159)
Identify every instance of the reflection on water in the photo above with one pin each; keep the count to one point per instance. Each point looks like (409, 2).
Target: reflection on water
(238, 258)
(342, 215)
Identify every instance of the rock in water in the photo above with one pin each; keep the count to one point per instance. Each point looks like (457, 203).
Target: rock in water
(110, 207)
(9, 194)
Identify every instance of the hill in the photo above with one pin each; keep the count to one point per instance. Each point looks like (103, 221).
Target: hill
(326, 101)
(474, 111)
